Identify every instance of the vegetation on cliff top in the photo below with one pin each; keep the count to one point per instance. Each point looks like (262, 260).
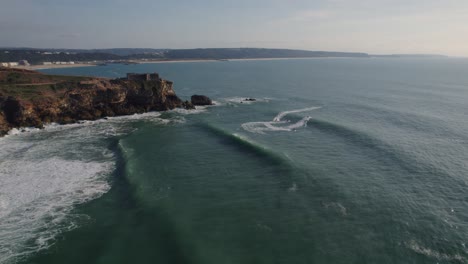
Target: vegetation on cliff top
(31, 84)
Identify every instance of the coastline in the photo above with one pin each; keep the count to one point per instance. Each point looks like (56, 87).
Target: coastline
(53, 66)
(34, 99)
(76, 65)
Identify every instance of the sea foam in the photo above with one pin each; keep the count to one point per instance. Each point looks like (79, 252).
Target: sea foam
(36, 198)
(44, 174)
(242, 100)
(278, 124)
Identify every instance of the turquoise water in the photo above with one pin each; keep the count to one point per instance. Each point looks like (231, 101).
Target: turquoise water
(338, 161)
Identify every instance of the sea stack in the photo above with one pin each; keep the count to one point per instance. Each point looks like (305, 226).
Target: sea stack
(201, 100)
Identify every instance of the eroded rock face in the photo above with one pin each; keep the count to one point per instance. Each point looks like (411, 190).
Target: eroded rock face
(4, 126)
(89, 101)
(201, 100)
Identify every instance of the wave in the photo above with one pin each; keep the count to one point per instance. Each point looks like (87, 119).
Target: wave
(420, 122)
(155, 117)
(411, 166)
(37, 197)
(45, 174)
(246, 144)
(387, 154)
(285, 113)
(262, 127)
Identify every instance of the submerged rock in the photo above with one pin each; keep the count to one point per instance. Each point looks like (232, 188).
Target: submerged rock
(188, 105)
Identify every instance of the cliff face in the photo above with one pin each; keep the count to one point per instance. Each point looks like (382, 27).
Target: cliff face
(88, 99)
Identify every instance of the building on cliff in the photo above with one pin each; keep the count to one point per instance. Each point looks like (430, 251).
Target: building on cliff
(143, 77)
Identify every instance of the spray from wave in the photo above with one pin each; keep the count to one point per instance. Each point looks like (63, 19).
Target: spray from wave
(278, 124)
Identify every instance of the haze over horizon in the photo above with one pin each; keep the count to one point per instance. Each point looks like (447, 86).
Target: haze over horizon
(371, 26)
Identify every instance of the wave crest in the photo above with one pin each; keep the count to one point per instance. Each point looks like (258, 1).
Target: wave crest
(277, 124)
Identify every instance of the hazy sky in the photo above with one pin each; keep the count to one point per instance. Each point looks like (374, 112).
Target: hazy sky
(374, 26)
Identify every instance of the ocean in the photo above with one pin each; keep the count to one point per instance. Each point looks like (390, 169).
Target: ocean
(337, 161)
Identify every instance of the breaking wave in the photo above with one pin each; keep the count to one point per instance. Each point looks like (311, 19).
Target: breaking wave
(46, 173)
(36, 199)
(277, 124)
(43, 176)
(243, 143)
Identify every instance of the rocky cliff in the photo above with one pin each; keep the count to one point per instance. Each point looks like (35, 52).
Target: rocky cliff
(32, 99)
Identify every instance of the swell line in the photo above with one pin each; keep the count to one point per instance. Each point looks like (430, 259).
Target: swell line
(245, 144)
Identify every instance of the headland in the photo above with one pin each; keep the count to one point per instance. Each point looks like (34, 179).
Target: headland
(33, 99)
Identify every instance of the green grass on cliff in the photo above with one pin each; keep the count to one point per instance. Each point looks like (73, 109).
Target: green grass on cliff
(31, 85)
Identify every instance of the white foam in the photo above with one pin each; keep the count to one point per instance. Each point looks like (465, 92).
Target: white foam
(36, 198)
(43, 175)
(336, 206)
(277, 124)
(110, 121)
(197, 110)
(293, 187)
(243, 100)
(285, 113)
(413, 245)
(262, 127)
(17, 131)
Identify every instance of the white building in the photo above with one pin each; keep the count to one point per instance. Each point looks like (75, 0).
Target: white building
(47, 63)
(4, 64)
(12, 64)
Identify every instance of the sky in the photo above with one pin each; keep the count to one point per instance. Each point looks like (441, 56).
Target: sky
(372, 26)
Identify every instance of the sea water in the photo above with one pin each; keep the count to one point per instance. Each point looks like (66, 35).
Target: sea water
(337, 161)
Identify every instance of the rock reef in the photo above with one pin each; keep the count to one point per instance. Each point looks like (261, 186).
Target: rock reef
(32, 99)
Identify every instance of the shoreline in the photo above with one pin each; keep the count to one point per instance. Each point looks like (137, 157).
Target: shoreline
(53, 66)
(77, 65)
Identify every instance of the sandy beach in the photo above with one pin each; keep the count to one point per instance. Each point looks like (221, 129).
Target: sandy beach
(56, 66)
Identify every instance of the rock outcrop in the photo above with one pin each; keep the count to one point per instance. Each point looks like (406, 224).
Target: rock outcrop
(91, 99)
(200, 100)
